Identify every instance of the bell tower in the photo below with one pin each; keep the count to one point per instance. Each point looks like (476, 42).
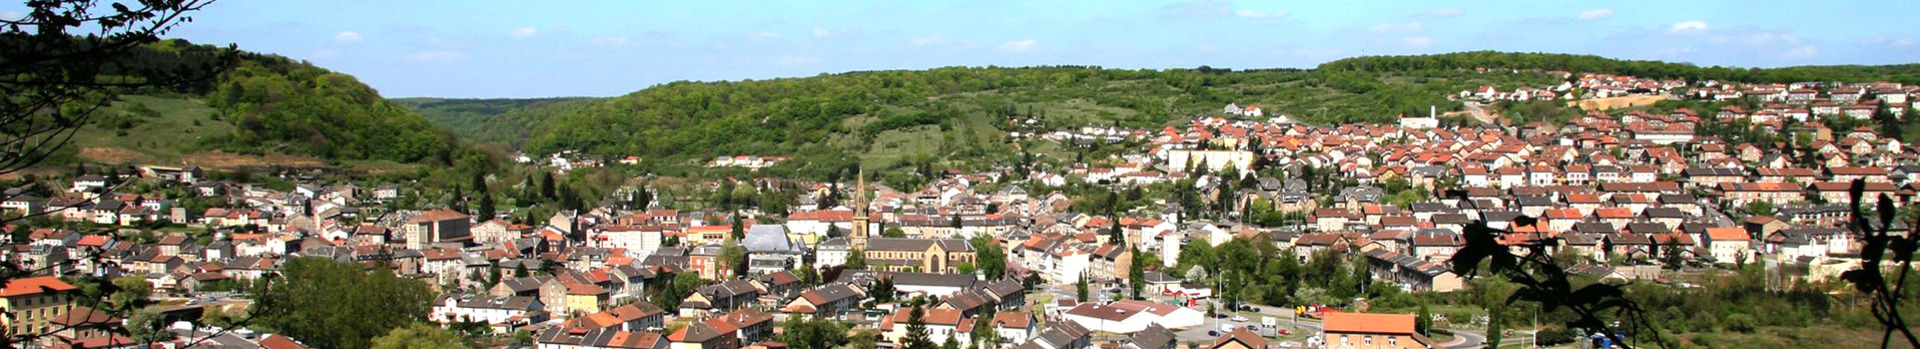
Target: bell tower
(858, 238)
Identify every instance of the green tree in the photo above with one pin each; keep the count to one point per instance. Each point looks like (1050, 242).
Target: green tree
(457, 201)
(547, 188)
(487, 209)
(738, 231)
(734, 256)
(1422, 320)
(1495, 327)
(893, 232)
(863, 340)
(336, 305)
(991, 258)
(1080, 289)
(1760, 208)
(419, 336)
(808, 276)
(856, 260)
(882, 290)
(916, 330)
(641, 198)
(679, 288)
(148, 327)
(131, 293)
(812, 333)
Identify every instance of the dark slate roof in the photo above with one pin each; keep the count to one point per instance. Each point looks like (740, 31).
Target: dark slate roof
(931, 279)
(908, 244)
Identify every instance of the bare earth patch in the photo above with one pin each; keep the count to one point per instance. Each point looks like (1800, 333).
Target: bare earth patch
(228, 161)
(114, 155)
(1615, 102)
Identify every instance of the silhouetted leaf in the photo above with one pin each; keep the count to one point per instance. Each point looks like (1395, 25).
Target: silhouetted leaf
(1525, 221)
(1864, 280)
(1903, 249)
(1887, 212)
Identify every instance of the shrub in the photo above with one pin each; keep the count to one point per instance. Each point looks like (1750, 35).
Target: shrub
(1742, 323)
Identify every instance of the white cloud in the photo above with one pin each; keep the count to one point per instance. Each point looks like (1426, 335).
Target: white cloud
(1408, 27)
(1802, 52)
(1020, 45)
(1688, 27)
(1594, 14)
(767, 35)
(1446, 12)
(525, 32)
(11, 14)
(1888, 41)
(822, 32)
(1259, 14)
(610, 42)
(931, 40)
(347, 37)
(1417, 41)
(444, 56)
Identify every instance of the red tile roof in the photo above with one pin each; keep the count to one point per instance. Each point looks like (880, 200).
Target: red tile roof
(1369, 323)
(33, 286)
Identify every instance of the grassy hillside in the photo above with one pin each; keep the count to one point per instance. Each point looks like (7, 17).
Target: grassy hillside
(266, 110)
(145, 128)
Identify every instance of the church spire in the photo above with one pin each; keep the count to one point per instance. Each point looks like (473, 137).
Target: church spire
(858, 238)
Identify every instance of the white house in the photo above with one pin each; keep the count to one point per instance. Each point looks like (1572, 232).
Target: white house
(1129, 316)
(502, 313)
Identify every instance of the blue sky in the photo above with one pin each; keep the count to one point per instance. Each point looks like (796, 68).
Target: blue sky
(604, 48)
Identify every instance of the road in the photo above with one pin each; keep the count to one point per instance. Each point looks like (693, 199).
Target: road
(1478, 112)
(1463, 340)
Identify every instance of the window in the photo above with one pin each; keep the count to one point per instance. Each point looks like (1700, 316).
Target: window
(1393, 341)
(1368, 340)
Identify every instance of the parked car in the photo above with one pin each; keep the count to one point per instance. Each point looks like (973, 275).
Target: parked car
(1239, 318)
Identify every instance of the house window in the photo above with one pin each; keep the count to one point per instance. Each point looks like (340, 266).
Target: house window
(1368, 340)
(1393, 341)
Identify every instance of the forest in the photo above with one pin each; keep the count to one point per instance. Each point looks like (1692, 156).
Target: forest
(1902, 73)
(951, 115)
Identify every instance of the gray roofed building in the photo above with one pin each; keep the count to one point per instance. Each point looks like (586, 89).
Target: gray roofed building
(769, 238)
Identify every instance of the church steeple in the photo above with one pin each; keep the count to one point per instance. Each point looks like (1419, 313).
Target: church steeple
(858, 238)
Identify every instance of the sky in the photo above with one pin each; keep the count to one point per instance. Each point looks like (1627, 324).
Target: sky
(485, 48)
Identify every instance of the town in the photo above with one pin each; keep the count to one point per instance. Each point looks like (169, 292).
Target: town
(1236, 229)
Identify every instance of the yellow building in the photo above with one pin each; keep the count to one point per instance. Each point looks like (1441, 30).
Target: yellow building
(32, 303)
(585, 298)
(918, 255)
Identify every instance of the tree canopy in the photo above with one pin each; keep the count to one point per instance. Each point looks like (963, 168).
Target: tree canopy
(335, 305)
